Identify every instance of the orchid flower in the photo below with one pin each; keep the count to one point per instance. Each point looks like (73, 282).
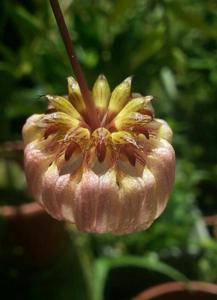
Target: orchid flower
(111, 171)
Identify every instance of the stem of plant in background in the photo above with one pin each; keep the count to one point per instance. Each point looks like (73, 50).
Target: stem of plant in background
(81, 246)
(91, 110)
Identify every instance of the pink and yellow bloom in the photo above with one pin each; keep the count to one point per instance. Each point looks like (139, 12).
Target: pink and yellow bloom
(115, 177)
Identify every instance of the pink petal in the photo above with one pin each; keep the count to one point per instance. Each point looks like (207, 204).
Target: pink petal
(35, 164)
(30, 130)
(50, 202)
(161, 162)
(65, 192)
(85, 202)
(96, 204)
(138, 203)
(108, 208)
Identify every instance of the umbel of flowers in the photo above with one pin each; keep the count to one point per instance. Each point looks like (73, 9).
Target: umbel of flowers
(108, 172)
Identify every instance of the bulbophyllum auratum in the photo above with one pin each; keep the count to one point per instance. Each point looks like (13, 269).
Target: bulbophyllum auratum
(113, 178)
(100, 160)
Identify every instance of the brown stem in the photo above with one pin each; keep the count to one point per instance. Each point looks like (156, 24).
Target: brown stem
(91, 110)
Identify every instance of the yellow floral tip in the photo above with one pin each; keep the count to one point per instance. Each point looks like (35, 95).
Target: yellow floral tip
(101, 93)
(63, 105)
(115, 178)
(120, 95)
(75, 95)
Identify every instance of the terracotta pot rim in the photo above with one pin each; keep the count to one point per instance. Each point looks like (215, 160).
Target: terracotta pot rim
(210, 220)
(28, 209)
(170, 287)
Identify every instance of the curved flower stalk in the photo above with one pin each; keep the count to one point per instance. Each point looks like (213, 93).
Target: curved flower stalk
(115, 177)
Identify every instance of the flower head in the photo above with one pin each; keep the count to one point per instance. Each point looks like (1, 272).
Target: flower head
(113, 177)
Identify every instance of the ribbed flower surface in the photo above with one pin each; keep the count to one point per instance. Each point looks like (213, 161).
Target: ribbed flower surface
(113, 178)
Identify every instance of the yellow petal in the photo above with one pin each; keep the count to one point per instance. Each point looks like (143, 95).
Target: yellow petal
(136, 105)
(30, 130)
(120, 95)
(101, 92)
(75, 96)
(59, 118)
(122, 137)
(79, 135)
(63, 105)
(100, 134)
(131, 120)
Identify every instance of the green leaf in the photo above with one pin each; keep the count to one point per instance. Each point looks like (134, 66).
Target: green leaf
(151, 44)
(26, 20)
(104, 265)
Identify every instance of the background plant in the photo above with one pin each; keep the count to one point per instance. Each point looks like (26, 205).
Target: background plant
(171, 48)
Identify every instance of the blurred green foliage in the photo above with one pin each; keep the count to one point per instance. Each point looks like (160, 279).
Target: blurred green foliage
(171, 48)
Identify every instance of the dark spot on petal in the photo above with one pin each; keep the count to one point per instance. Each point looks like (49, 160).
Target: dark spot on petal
(142, 130)
(50, 130)
(147, 112)
(70, 149)
(101, 151)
